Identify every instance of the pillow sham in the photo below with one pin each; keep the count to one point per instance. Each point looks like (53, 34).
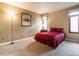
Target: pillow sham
(52, 29)
(56, 29)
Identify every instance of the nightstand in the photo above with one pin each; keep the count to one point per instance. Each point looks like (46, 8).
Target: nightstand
(43, 30)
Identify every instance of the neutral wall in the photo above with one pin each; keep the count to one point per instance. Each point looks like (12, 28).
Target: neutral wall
(60, 19)
(19, 32)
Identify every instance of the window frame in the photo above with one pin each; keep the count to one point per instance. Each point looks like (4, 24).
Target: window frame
(70, 24)
(42, 15)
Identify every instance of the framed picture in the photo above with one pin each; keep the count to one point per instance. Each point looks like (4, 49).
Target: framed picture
(25, 19)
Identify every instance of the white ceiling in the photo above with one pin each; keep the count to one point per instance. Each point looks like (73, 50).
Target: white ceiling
(43, 7)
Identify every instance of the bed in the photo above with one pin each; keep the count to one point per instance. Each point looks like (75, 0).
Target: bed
(52, 38)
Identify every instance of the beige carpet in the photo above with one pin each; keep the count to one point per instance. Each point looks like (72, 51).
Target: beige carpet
(29, 47)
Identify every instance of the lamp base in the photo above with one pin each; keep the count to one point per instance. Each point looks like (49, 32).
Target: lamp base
(12, 43)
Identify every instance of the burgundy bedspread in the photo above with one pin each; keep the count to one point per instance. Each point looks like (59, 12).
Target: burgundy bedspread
(52, 39)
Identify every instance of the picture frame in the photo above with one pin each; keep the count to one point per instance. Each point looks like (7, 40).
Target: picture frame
(25, 19)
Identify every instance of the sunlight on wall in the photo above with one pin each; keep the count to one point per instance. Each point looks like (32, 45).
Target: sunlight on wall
(11, 15)
(39, 24)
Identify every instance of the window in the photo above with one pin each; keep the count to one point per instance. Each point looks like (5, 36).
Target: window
(44, 21)
(74, 22)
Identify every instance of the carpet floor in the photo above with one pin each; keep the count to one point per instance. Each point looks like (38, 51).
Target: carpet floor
(29, 47)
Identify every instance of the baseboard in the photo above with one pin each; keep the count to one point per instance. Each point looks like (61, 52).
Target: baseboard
(72, 40)
(15, 40)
